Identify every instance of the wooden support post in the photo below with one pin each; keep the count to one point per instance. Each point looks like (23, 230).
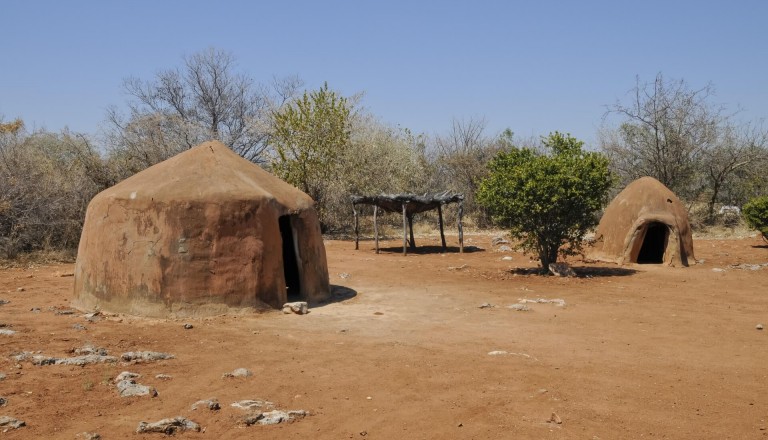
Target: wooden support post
(461, 228)
(440, 218)
(410, 228)
(376, 226)
(357, 228)
(405, 232)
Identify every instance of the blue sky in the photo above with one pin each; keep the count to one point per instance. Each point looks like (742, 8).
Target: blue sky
(534, 66)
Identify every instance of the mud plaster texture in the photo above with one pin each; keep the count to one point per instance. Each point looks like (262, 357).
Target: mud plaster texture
(197, 234)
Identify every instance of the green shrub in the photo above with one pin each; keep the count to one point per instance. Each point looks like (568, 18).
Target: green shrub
(756, 214)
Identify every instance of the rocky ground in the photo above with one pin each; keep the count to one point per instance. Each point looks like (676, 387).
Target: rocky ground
(420, 347)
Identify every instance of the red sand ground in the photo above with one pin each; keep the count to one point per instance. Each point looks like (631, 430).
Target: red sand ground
(638, 352)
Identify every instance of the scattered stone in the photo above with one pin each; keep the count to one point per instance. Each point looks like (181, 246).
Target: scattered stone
(343, 275)
(275, 417)
(561, 270)
(10, 422)
(126, 375)
(504, 248)
(2, 376)
(745, 266)
(519, 307)
(65, 274)
(249, 405)
(556, 301)
(6, 332)
(164, 377)
(92, 317)
(486, 306)
(145, 356)
(35, 310)
(507, 258)
(498, 240)
(4, 302)
(462, 267)
(188, 326)
(554, 418)
(129, 388)
(497, 353)
(211, 404)
(64, 312)
(89, 435)
(40, 359)
(3, 401)
(90, 349)
(239, 372)
(20, 289)
(717, 269)
(298, 307)
(79, 326)
(759, 326)
(168, 426)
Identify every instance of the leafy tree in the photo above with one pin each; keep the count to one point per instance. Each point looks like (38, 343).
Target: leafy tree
(206, 98)
(547, 199)
(309, 137)
(756, 215)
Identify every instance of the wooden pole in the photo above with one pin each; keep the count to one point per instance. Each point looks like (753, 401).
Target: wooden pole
(410, 228)
(440, 218)
(376, 226)
(405, 232)
(461, 228)
(357, 228)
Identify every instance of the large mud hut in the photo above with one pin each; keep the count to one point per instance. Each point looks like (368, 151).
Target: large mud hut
(645, 223)
(202, 233)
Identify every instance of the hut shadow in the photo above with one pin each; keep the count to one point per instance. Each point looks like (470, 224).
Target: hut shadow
(338, 294)
(428, 249)
(581, 272)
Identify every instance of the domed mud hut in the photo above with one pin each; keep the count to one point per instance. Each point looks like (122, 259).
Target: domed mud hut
(202, 233)
(645, 223)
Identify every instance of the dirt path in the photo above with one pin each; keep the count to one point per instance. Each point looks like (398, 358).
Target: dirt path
(403, 352)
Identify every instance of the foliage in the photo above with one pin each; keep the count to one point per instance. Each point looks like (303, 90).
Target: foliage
(548, 201)
(756, 214)
(309, 137)
(46, 182)
(461, 161)
(204, 99)
(666, 127)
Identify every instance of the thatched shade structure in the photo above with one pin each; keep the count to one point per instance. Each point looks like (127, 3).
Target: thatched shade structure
(201, 233)
(645, 223)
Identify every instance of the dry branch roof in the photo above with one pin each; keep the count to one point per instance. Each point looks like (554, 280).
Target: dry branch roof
(414, 203)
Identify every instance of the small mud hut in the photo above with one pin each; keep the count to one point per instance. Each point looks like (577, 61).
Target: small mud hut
(202, 233)
(645, 223)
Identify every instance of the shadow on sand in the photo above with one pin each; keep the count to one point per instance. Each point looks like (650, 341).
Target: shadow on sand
(581, 272)
(338, 294)
(429, 249)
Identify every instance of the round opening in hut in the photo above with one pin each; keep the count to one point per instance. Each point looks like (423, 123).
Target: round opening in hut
(654, 244)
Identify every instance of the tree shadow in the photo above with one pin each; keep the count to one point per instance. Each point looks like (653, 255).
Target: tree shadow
(430, 249)
(338, 294)
(581, 272)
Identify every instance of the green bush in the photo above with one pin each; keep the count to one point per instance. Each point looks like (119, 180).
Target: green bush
(756, 214)
(548, 201)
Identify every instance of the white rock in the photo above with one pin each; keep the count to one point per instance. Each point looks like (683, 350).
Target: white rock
(298, 307)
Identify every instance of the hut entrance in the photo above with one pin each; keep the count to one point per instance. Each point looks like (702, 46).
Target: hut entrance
(290, 260)
(654, 244)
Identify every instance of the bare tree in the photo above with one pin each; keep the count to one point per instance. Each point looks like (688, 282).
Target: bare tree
(204, 99)
(665, 130)
(737, 148)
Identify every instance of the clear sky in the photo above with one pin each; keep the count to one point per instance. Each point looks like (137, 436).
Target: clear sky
(532, 66)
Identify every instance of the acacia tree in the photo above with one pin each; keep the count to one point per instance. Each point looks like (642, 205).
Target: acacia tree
(547, 199)
(665, 129)
(308, 138)
(204, 99)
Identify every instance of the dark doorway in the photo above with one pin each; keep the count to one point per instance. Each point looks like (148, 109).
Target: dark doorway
(654, 244)
(290, 264)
